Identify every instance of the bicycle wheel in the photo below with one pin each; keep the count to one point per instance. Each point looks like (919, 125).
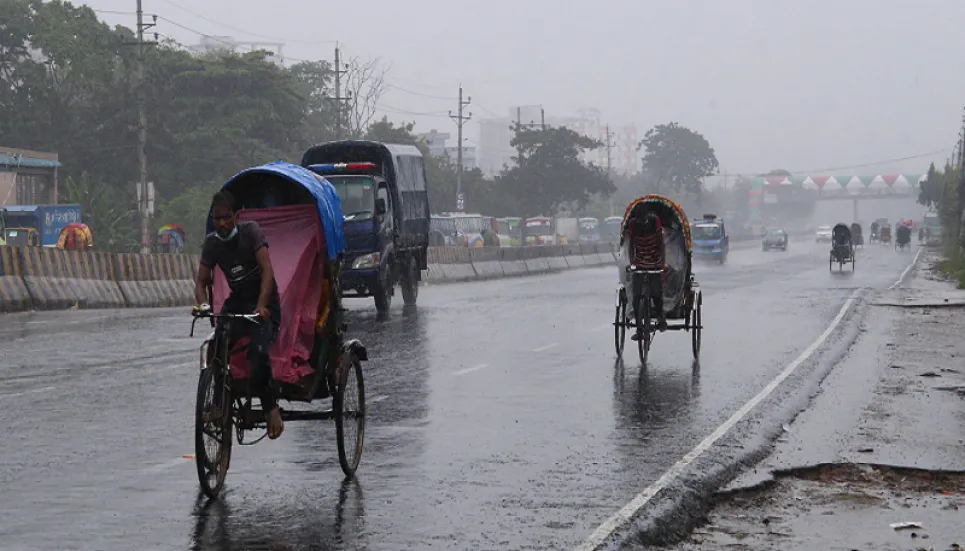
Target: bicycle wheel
(643, 345)
(695, 331)
(620, 323)
(212, 430)
(349, 409)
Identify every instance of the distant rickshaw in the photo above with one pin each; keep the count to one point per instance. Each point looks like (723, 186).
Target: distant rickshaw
(856, 235)
(169, 239)
(75, 237)
(842, 248)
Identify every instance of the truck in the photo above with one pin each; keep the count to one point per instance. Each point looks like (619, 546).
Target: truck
(932, 229)
(37, 225)
(709, 238)
(589, 230)
(383, 191)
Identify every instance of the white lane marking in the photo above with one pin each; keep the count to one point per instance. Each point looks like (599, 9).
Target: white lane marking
(378, 399)
(908, 269)
(601, 327)
(612, 524)
(470, 369)
(26, 392)
(547, 347)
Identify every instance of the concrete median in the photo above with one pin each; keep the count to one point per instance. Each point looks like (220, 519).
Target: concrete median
(485, 262)
(554, 257)
(13, 291)
(156, 280)
(57, 279)
(511, 259)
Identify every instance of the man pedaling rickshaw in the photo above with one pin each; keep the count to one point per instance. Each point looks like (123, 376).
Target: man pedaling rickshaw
(241, 251)
(648, 252)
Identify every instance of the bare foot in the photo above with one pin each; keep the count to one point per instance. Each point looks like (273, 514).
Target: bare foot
(275, 425)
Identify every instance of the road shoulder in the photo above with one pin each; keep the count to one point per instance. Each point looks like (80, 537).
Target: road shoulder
(882, 443)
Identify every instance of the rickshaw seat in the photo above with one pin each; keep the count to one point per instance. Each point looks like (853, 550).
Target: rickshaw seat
(296, 247)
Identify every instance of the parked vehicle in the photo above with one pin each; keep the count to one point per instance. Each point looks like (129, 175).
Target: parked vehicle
(589, 230)
(38, 225)
(382, 189)
(540, 231)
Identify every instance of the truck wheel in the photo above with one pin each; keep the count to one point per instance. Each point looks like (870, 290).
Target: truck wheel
(383, 293)
(410, 282)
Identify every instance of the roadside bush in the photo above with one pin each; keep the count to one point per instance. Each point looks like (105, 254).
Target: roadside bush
(954, 265)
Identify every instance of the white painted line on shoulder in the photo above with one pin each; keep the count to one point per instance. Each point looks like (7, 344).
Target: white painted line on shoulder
(547, 347)
(470, 369)
(901, 278)
(612, 524)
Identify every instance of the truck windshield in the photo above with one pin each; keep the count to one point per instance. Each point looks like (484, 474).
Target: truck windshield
(706, 232)
(357, 195)
(539, 227)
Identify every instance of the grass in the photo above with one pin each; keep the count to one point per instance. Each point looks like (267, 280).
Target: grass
(954, 265)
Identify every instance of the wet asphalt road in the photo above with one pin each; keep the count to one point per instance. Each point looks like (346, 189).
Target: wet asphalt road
(498, 417)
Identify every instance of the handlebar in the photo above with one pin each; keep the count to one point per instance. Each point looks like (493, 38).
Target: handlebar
(197, 314)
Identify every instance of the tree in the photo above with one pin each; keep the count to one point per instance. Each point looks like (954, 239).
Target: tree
(384, 130)
(549, 173)
(364, 85)
(931, 189)
(109, 213)
(677, 159)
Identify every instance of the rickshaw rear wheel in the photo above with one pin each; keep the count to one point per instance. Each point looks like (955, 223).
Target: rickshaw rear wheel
(620, 323)
(214, 396)
(697, 328)
(349, 409)
(410, 282)
(643, 345)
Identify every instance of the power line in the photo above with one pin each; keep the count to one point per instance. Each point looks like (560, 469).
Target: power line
(243, 31)
(460, 120)
(420, 94)
(875, 163)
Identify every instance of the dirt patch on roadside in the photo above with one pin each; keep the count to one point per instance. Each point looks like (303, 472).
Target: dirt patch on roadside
(845, 507)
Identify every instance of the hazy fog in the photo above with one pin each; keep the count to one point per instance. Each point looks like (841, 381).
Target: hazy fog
(802, 85)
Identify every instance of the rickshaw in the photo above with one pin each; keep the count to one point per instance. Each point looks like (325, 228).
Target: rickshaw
(311, 359)
(856, 235)
(75, 237)
(842, 248)
(902, 237)
(169, 239)
(884, 234)
(682, 299)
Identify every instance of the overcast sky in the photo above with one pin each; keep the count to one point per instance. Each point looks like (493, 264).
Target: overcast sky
(801, 85)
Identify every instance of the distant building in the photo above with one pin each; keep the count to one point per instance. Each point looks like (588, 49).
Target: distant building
(213, 44)
(435, 141)
(28, 177)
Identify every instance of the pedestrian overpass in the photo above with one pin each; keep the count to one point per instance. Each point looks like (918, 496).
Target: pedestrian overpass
(857, 189)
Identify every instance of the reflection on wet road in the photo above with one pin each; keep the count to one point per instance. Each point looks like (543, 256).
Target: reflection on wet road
(498, 418)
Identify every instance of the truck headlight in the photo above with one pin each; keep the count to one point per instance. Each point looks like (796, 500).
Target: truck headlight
(367, 261)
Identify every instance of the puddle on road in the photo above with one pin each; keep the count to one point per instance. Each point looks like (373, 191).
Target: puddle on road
(839, 507)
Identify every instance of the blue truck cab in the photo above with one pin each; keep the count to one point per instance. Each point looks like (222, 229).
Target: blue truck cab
(382, 189)
(37, 225)
(709, 238)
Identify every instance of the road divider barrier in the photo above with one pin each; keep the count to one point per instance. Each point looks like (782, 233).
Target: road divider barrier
(156, 280)
(43, 278)
(13, 291)
(57, 279)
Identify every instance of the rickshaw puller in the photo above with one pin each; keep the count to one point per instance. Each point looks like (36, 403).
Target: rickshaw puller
(648, 252)
(241, 251)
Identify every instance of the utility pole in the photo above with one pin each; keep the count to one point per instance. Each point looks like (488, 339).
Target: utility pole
(145, 193)
(460, 120)
(339, 71)
(542, 118)
(609, 161)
